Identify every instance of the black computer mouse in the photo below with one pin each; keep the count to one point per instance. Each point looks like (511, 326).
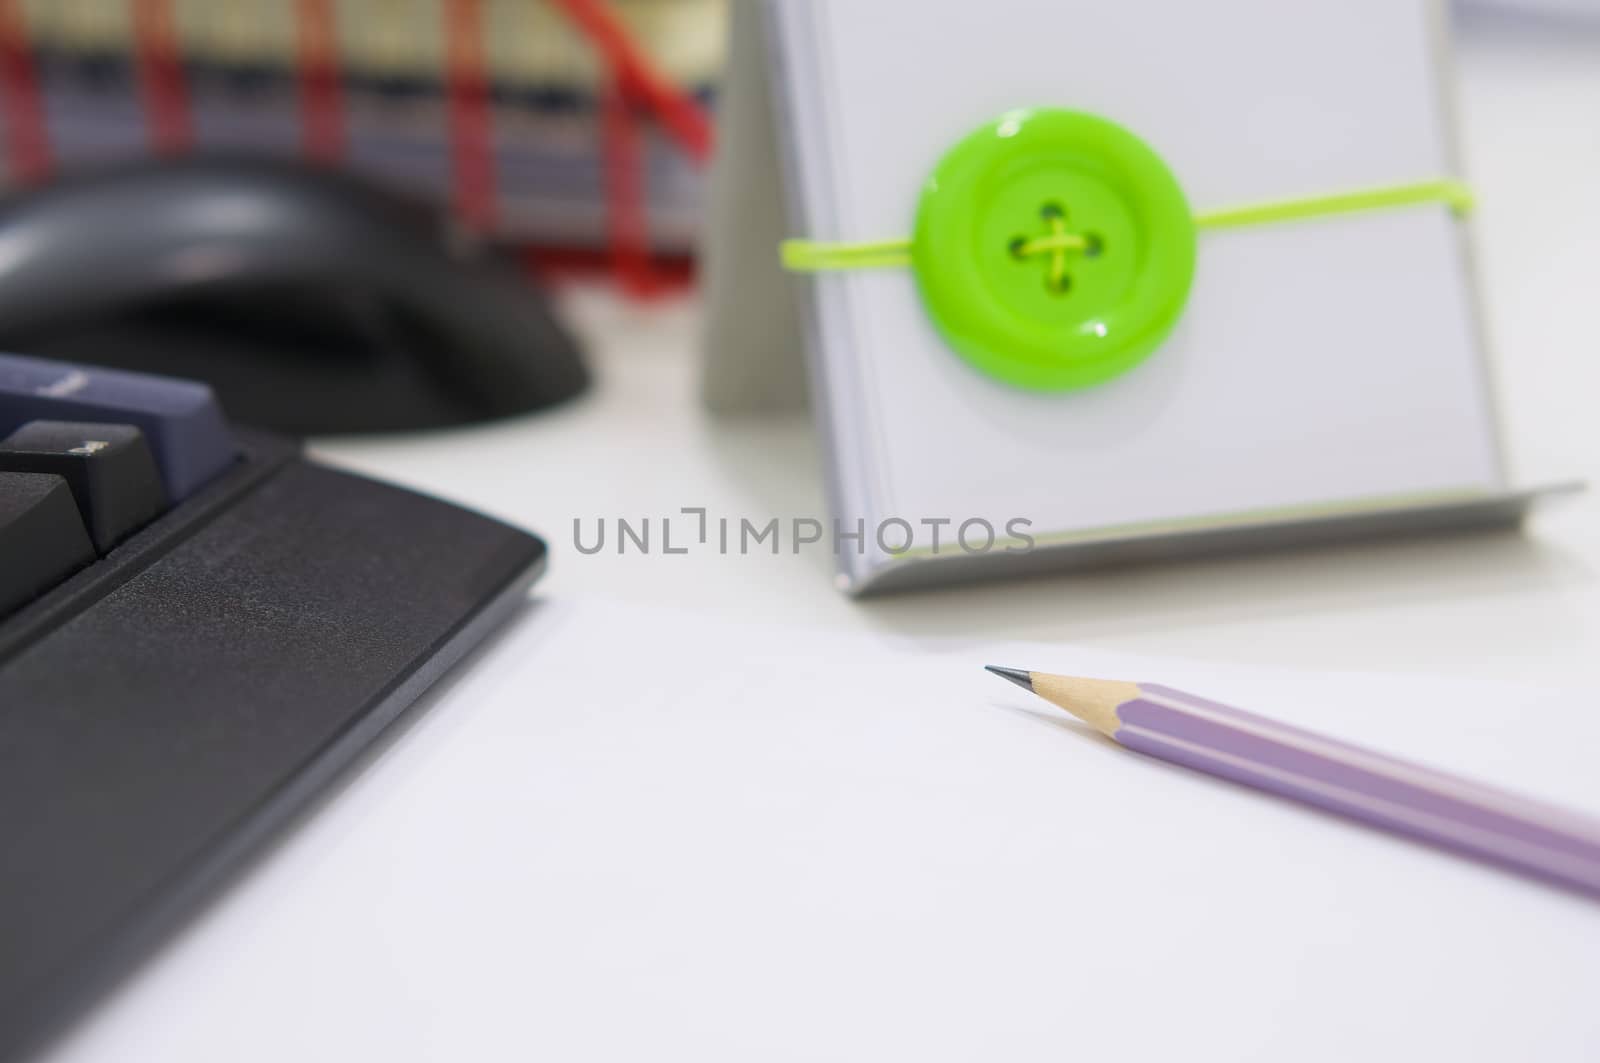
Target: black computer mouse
(313, 301)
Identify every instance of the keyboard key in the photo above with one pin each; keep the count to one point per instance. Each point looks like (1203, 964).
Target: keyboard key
(109, 468)
(181, 419)
(42, 539)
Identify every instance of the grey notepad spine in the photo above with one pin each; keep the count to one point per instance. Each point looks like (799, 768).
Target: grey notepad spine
(754, 338)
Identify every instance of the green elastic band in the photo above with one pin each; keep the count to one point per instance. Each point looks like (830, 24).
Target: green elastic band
(1453, 194)
(812, 256)
(808, 256)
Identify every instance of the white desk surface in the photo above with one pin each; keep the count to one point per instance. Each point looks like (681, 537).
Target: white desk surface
(1511, 606)
(1507, 606)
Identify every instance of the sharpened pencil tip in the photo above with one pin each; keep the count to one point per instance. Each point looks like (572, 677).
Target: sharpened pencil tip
(1016, 675)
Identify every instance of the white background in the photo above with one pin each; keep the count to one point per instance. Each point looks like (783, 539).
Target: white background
(857, 849)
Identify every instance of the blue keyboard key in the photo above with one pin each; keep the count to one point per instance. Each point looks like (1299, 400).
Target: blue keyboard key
(180, 419)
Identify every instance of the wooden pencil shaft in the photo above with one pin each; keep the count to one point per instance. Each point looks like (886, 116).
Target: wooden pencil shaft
(1459, 814)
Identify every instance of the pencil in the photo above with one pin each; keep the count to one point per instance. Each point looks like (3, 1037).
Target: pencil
(1502, 828)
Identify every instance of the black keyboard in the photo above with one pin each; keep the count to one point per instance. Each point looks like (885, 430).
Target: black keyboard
(199, 629)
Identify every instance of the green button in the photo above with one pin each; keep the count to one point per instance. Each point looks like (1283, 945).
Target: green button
(1053, 249)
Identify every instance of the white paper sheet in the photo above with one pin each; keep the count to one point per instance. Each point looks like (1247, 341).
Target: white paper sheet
(1328, 360)
(626, 834)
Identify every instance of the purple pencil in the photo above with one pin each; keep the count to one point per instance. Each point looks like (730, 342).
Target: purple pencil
(1493, 825)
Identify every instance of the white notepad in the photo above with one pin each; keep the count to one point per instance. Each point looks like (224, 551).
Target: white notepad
(1322, 368)
(630, 834)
